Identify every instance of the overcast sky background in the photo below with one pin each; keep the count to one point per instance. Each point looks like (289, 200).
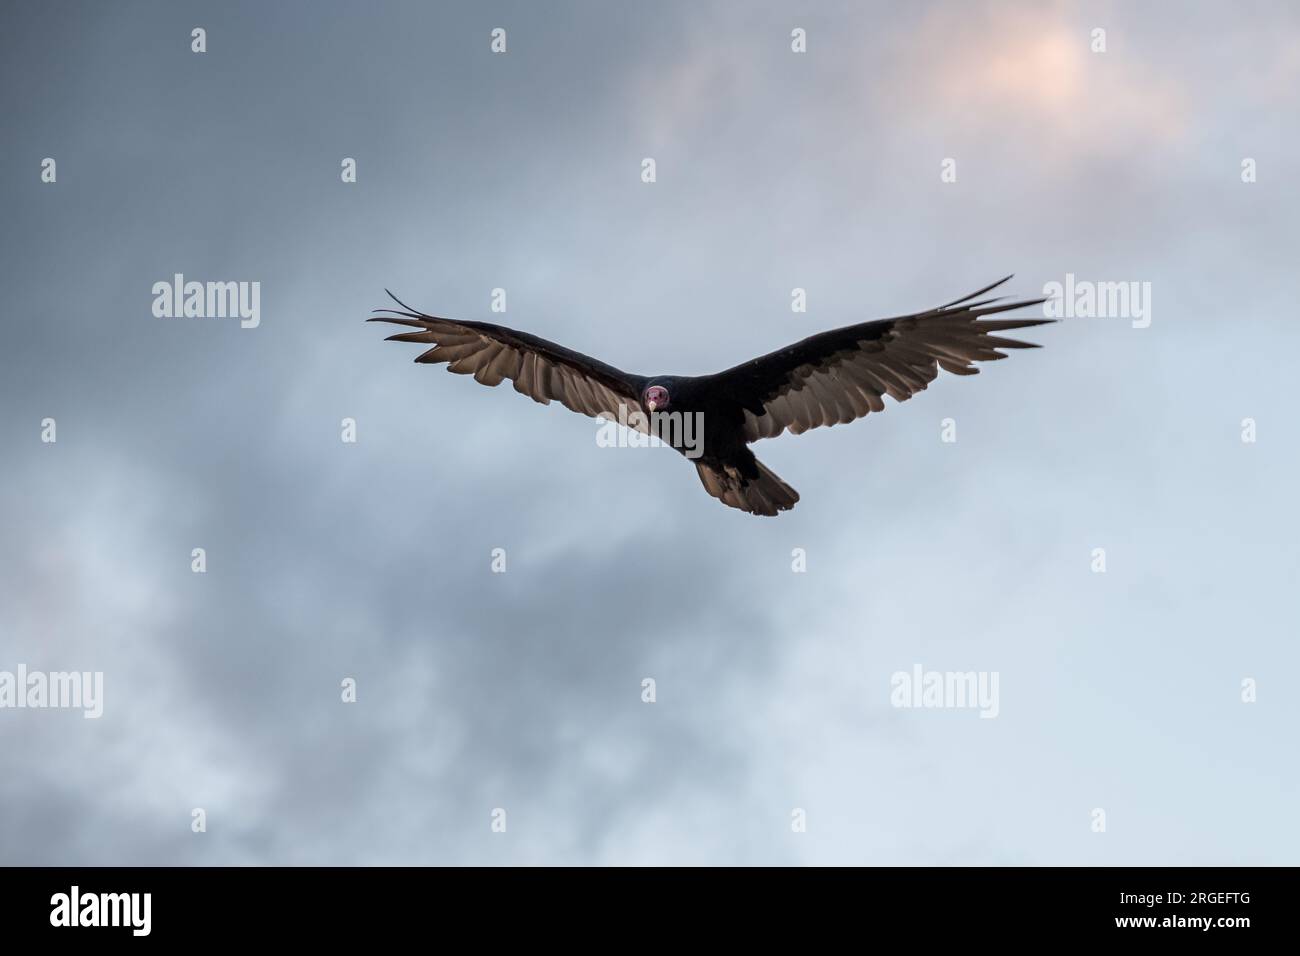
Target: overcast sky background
(522, 690)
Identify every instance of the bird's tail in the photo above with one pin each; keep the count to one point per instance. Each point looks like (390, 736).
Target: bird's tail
(750, 486)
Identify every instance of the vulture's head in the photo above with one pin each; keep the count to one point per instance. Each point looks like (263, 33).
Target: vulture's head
(655, 398)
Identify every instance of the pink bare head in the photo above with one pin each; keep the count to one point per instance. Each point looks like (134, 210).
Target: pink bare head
(655, 398)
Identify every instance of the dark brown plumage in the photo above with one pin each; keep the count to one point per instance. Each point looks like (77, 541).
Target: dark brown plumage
(826, 379)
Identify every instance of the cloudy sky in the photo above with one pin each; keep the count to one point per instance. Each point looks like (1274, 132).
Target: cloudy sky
(1119, 692)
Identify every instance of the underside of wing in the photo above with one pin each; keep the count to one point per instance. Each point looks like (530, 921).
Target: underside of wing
(839, 376)
(542, 370)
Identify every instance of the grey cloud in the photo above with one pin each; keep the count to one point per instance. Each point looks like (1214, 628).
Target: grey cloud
(522, 690)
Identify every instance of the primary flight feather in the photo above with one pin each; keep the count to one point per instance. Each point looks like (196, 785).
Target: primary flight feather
(826, 379)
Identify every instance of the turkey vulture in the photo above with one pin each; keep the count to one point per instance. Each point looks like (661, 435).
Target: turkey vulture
(826, 379)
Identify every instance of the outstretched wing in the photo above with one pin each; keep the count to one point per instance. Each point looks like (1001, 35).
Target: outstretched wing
(842, 375)
(539, 369)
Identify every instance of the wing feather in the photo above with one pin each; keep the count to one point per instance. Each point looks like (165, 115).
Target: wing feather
(841, 375)
(542, 370)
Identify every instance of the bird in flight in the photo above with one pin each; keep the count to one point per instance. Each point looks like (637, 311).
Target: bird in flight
(826, 379)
